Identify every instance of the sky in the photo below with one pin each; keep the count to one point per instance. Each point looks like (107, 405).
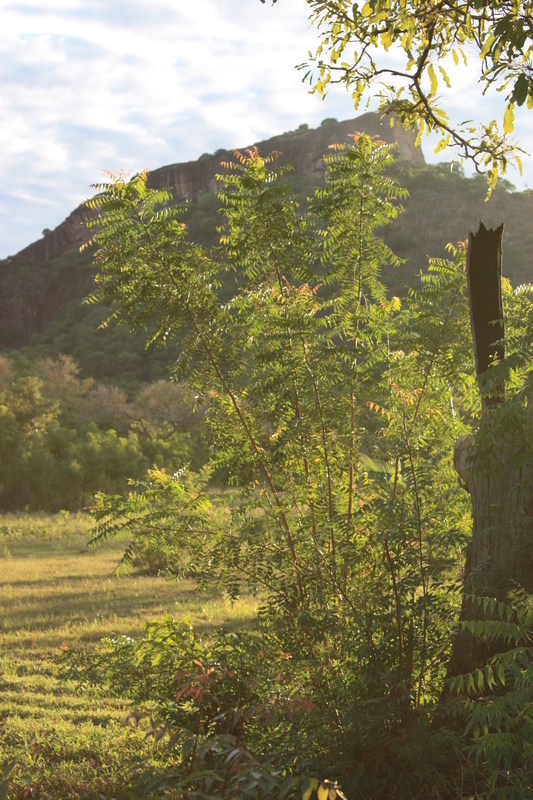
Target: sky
(87, 85)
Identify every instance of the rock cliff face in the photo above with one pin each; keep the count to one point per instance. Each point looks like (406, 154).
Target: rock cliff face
(41, 289)
(302, 148)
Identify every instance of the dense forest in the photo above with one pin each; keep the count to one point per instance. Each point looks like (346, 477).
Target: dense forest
(63, 437)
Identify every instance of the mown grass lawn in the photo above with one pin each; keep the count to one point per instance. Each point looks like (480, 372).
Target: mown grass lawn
(56, 593)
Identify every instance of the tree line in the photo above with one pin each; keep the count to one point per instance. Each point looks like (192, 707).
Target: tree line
(64, 437)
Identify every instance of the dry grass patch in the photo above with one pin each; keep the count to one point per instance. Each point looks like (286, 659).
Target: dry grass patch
(55, 592)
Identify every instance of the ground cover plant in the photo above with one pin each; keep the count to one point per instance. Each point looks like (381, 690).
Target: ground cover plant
(57, 593)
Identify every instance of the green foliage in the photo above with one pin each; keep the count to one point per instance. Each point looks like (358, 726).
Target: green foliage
(441, 203)
(5, 771)
(110, 355)
(63, 438)
(496, 700)
(57, 593)
(164, 517)
(207, 710)
(424, 35)
(333, 410)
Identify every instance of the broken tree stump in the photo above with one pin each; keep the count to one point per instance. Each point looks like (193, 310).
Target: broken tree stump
(499, 556)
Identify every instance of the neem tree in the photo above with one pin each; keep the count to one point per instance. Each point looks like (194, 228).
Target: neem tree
(355, 38)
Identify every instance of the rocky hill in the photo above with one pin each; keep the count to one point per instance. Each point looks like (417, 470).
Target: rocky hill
(41, 288)
(302, 148)
(38, 284)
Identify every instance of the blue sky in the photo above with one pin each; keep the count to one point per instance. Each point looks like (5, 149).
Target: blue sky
(93, 84)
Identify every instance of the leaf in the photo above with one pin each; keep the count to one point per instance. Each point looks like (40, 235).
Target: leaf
(442, 144)
(386, 40)
(8, 767)
(433, 80)
(508, 119)
(286, 786)
(373, 465)
(308, 787)
(160, 733)
(520, 91)
(445, 77)
(489, 673)
(307, 791)
(173, 739)
(187, 747)
(420, 132)
(395, 303)
(480, 679)
(487, 46)
(323, 792)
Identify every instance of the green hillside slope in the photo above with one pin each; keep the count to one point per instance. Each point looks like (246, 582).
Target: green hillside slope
(442, 207)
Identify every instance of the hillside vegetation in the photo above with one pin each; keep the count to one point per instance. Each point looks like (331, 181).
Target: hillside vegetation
(442, 207)
(121, 417)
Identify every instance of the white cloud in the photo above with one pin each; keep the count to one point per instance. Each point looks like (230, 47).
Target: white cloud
(89, 84)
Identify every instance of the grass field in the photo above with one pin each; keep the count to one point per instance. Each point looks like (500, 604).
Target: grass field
(55, 592)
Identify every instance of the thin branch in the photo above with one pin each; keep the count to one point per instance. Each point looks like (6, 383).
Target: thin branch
(398, 606)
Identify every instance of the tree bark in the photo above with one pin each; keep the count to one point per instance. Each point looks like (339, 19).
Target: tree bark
(499, 555)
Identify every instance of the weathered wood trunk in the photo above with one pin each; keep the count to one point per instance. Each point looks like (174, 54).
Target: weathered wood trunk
(500, 554)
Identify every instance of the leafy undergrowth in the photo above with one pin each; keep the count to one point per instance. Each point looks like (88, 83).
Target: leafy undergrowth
(56, 593)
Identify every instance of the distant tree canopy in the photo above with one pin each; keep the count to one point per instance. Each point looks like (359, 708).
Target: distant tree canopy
(354, 39)
(64, 437)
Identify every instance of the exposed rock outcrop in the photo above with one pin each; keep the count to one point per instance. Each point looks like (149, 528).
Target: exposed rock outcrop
(302, 148)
